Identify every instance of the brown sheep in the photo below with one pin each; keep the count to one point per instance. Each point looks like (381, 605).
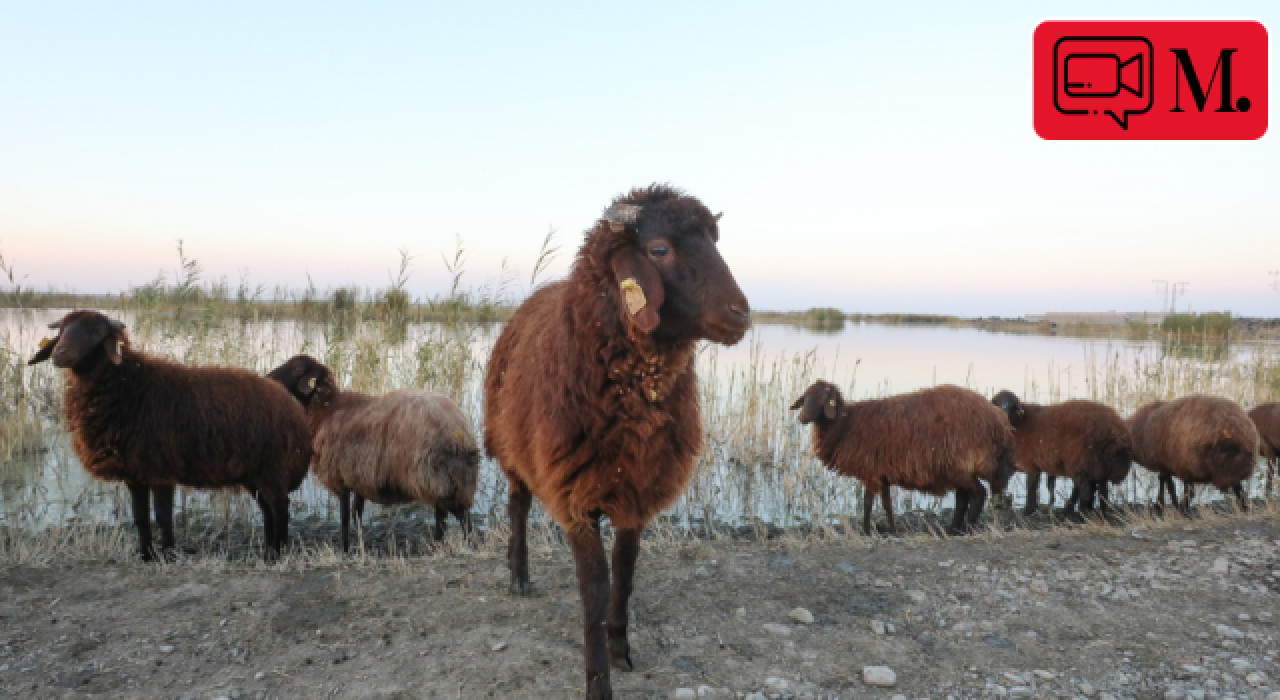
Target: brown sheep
(1084, 441)
(409, 446)
(1199, 439)
(933, 440)
(591, 398)
(1266, 418)
(156, 424)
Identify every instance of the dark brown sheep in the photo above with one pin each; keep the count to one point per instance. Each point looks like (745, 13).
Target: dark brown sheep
(1266, 418)
(591, 400)
(409, 446)
(933, 440)
(1199, 439)
(156, 424)
(1084, 441)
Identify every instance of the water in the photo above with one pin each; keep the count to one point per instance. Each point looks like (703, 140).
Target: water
(758, 466)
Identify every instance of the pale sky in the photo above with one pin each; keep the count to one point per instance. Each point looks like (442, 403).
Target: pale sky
(872, 157)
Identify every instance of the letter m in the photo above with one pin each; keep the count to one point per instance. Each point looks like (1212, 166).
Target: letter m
(1183, 67)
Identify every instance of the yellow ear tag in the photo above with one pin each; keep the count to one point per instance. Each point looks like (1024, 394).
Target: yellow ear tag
(312, 383)
(634, 295)
(119, 346)
(44, 343)
(832, 402)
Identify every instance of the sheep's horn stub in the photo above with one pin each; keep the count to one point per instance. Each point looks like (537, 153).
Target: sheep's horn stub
(56, 325)
(620, 216)
(116, 326)
(717, 217)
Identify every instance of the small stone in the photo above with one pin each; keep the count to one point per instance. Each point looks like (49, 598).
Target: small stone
(1229, 632)
(755, 696)
(1020, 691)
(775, 628)
(742, 612)
(1274, 695)
(1240, 664)
(1043, 675)
(706, 691)
(881, 583)
(897, 697)
(259, 676)
(1220, 566)
(1256, 679)
(877, 627)
(802, 616)
(684, 693)
(945, 564)
(917, 596)
(776, 683)
(499, 646)
(1243, 617)
(1039, 586)
(879, 676)
(1087, 690)
(166, 649)
(888, 627)
(702, 571)
(999, 691)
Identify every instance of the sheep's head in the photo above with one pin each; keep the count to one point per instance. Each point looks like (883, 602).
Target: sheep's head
(85, 340)
(1008, 402)
(306, 379)
(820, 400)
(668, 277)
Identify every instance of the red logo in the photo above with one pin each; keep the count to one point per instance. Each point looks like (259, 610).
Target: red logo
(1136, 80)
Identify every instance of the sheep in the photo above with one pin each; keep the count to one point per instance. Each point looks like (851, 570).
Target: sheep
(1266, 418)
(1084, 441)
(591, 396)
(156, 424)
(933, 440)
(1199, 439)
(409, 446)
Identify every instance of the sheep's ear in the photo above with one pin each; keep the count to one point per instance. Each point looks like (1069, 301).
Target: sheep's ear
(640, 286)
(307, 385)
(45, 351)
(114, 345)
(829, 410)
(799, 402)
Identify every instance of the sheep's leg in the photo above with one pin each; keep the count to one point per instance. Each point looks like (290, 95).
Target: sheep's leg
(593, 589)
(961, 507)
(1103, 489)
(163, 497)
(888, 506)
(1033, 493)
(518, 503)
(344, 507)
(868, 502)
(268, 523)
(437, 533)
(1086, 495)
(1238, 490)
(358, 508)
(1073, 501)
(1051, 483)
(280, 506)
(977, 497)
(1188, 493)
(463, 515)
(626, 547)
(142, 518)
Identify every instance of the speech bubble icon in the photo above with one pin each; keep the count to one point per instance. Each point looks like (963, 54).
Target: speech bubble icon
(1103, 75)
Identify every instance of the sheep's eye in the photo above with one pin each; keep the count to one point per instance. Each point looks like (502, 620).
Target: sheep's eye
(659, 251)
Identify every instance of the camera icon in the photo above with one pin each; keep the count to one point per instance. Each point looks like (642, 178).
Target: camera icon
(1103, 75)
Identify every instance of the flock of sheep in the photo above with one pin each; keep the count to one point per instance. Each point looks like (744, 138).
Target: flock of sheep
(591, 405)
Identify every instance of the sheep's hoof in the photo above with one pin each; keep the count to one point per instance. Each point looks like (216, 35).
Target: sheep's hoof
(620, 653)
(521, 588)
(598, 688)
(1030, 511)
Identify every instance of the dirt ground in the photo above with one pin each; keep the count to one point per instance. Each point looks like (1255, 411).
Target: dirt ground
(1179, 609)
